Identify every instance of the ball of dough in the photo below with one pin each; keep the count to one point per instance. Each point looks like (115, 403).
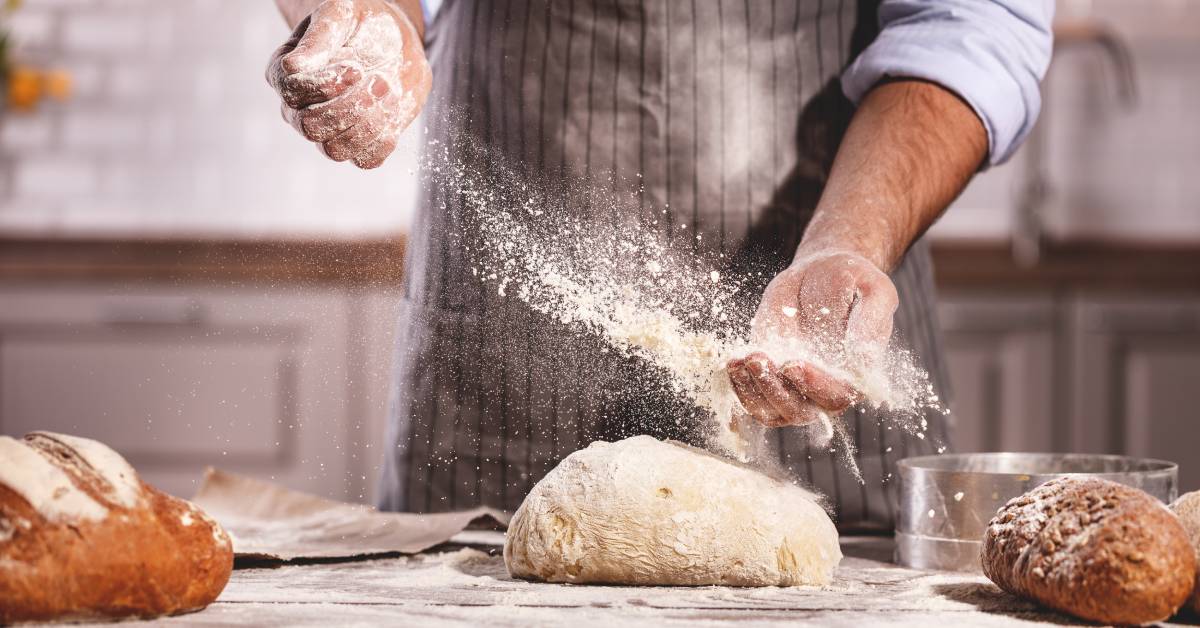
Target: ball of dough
(1187, 508)
(647, 512)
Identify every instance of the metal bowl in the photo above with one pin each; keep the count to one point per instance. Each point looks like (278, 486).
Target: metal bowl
(946, 501)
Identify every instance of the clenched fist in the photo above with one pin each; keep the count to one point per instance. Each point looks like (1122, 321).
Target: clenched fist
(352, 76)
(837, 303)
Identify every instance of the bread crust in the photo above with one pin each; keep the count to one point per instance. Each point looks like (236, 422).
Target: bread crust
(1187, 508)
(1092, 548)
(150, 554)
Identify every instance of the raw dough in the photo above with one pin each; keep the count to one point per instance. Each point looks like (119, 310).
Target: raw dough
(642, 511)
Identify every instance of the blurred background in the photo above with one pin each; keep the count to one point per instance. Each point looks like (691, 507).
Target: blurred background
(187, 279)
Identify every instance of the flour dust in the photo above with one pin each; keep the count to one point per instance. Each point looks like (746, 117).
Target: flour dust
(596, 259)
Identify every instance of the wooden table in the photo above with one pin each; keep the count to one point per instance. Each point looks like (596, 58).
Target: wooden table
(469, 586)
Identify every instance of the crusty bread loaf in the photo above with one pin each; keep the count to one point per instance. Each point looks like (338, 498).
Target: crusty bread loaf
(1187, 508)
(82, 537)
(1092, 548)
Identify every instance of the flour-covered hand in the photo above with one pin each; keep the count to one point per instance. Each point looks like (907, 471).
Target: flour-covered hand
(352, 76)
(840, 306)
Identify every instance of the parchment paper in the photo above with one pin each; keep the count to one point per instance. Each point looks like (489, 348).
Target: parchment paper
(270, 522)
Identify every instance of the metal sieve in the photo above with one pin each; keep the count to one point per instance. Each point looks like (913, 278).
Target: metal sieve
(946, 501)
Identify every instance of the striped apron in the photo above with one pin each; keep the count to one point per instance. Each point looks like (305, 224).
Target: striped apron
(723, 114)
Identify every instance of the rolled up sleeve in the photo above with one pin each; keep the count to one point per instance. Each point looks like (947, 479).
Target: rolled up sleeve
(992, 53)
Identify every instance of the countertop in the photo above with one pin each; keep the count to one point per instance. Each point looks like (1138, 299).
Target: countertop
(469, 586)
(960, 265)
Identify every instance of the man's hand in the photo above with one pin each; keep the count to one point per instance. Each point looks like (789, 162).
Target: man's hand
(910, 149)
(836, 303)
(352, 76)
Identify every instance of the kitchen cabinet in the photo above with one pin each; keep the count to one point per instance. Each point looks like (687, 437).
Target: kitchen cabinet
(284, 383)
(1136, 380)
(274, 359)
(1076, 371)
(1004, 376)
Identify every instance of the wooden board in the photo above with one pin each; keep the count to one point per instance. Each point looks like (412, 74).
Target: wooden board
(469, 586)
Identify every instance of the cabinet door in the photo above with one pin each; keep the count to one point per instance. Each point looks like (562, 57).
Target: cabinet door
(1137, 379)
(1002, 362)
(374, 316)
(252, 380)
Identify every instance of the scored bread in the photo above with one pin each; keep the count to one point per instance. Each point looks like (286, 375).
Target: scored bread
(1092, 548)
(1187, 508)
(82, 537)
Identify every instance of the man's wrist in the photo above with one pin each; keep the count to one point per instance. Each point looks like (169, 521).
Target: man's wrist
(828, 235)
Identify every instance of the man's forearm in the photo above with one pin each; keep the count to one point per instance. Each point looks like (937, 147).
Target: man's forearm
(911, 148)
(294, 11)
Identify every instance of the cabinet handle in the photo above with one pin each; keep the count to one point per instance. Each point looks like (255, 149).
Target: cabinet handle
(154, 313)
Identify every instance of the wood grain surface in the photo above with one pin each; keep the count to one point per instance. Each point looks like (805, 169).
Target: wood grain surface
(1100, 265)
(469, 586)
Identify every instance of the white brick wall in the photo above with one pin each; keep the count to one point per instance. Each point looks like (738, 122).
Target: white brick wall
(102, 131)
(36, 29)
(171, 127)
(104, 30)
(48, 179)
(25, 133)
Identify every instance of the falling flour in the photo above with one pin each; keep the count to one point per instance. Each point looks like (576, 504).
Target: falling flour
(639, 286)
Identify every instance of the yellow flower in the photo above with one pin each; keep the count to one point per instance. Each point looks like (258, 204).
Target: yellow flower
(24, 88)
(57, 84)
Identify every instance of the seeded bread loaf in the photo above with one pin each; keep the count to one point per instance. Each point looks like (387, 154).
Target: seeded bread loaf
(1187, 508)
(82, 537)
(1092, 548)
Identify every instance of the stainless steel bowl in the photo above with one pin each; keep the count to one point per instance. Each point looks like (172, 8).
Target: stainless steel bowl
(946, 501)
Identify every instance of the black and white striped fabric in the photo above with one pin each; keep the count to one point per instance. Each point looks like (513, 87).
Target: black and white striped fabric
(722, 117)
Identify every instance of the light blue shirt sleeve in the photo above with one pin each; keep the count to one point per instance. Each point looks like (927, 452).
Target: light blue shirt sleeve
(992, 53)
(430, 9)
